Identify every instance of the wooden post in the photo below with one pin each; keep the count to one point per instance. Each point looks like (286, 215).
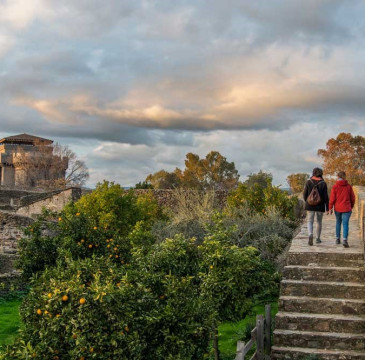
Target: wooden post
(240, 347)
(267, 329)
(260, 338)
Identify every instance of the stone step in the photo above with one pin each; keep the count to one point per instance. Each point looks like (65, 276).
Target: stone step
(319, 340)
(320, 322)
(338, 274)
(293, 353)
(305, 304)
(323, 289)
(344, 259)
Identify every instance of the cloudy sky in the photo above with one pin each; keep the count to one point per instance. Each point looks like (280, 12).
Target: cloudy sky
(134, 85)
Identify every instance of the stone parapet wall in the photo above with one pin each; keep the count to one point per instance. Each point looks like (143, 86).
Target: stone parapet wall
(359, 209)
(7, 262)
(32, 206)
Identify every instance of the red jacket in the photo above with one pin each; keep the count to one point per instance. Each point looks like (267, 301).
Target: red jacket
(342, 196)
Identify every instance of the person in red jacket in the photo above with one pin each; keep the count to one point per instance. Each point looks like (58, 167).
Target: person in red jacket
(342, 199)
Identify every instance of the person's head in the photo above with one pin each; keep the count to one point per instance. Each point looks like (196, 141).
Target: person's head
(317, 172)
(341, 175)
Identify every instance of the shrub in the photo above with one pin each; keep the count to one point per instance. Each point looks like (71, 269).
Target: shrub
(260, 199)
(270, 233)
(98, 224)
(163, 304)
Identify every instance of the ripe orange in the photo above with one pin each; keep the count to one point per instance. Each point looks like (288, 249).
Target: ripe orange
(64, 298)
(108, 246)
(116, 256)
(95, 228)
(82, 240)
(39, 312)
(90, 246)
(59, 219)
(58, 315)
(77, 214)
(82, 358)
(82, 301)
(49, 295)
(115, 249)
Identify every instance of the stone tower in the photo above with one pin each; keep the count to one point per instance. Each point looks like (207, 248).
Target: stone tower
(26, 159)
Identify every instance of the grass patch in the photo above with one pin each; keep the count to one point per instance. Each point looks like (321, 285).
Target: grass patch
(231, 332)
(9, 320)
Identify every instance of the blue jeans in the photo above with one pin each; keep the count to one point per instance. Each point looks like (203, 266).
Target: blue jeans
(342, 218)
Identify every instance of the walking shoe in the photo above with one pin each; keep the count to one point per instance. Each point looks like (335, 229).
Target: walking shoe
(338, 241)
(310, 242)
(318, 241)
(345, 244)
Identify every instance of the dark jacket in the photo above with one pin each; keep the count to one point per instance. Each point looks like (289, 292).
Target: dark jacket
(323, 192)
(342, 196)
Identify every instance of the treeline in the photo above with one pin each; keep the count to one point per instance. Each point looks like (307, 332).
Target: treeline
(343, 153)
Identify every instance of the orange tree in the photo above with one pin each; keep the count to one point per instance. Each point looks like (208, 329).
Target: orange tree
(163, 304)
(98, 224)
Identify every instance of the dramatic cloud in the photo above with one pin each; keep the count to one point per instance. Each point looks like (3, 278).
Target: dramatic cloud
(152, 80)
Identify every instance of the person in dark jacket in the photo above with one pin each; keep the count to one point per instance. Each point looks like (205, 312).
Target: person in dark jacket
(342, 200)
(317, 210)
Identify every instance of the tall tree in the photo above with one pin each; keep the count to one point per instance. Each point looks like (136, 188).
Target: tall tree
(211, 172)
(345, 152)
(297, 182)
(218, 172)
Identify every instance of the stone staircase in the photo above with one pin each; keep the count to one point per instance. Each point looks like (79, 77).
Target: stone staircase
(322, 303)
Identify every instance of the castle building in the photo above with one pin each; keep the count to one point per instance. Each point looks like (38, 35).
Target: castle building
(26, 160)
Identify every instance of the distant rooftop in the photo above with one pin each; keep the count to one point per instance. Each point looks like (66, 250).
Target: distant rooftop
(25, 139)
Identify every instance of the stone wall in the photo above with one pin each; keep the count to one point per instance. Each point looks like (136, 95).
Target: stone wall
(7, 262)
(359, 210)
(11, 231)
(33, 205)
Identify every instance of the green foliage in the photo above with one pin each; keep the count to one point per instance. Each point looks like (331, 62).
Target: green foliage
(143, 185)
(262, 179)
(270, 233)
(161, 305)
(38, 248)
(98, 224)
(260, 199)
(142, 296)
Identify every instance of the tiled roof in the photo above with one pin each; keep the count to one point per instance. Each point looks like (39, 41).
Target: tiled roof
(25, 138)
